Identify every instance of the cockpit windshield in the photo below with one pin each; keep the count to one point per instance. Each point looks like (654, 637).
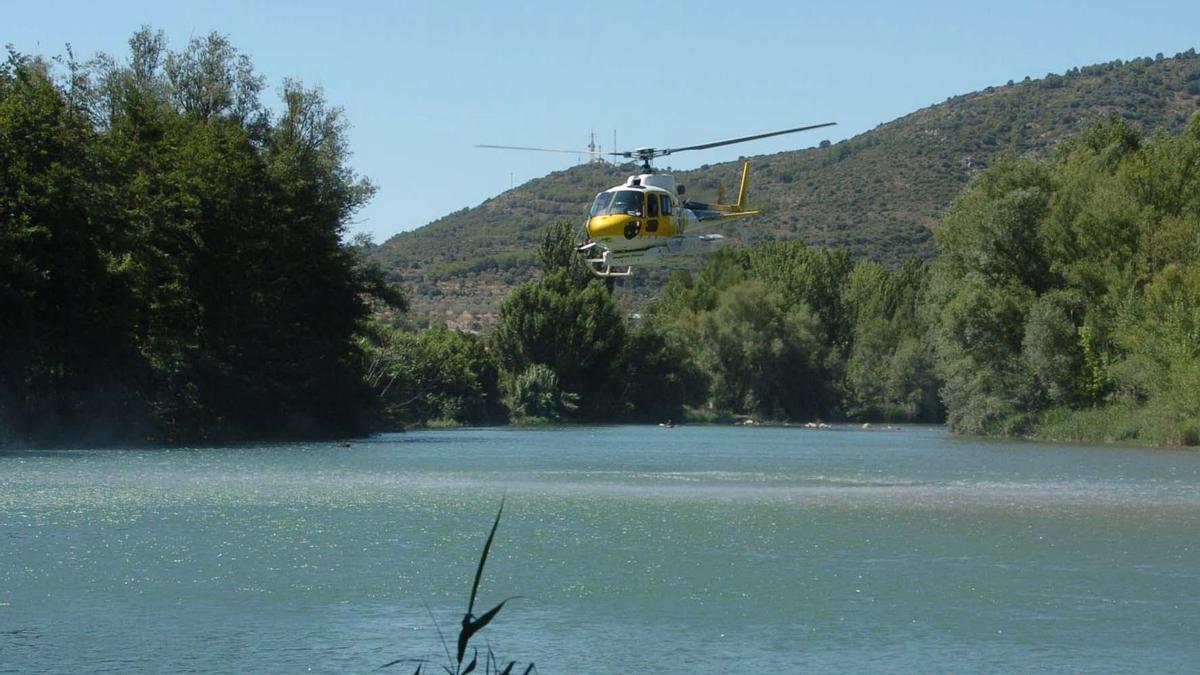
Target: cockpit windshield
(627, 202)
(600, 206)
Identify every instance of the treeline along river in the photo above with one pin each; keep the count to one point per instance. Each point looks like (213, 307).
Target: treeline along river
(635, 549)
(173, 268)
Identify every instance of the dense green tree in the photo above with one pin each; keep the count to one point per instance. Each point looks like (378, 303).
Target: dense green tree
(64, 361)
(534, 396)
(579, 333)
(855, 343)
(433, 375)
(689, 294)
(661, 373)
(557, 253)
(806, 276)
(977, 333)
(1052, 347)
(988, 274)
(993, 229)
(1069, 284)
(172, 253)
(889, 372)
(764, 358)
(1162, 339)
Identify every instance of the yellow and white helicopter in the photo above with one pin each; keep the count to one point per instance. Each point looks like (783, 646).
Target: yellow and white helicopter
(644, 220)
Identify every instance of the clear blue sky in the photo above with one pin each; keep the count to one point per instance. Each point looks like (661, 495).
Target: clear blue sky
(421, 82)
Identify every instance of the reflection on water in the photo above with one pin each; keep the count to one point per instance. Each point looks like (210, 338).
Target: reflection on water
(636, 548)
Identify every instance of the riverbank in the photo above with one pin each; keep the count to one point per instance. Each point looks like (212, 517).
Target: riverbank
(1116, 423)
(1112, 425)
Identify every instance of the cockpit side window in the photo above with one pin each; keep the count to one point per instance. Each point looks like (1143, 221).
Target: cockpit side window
(651, 205)
(600, 206)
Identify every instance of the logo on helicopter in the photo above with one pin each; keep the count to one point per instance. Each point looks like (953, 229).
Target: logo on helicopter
(645, 220)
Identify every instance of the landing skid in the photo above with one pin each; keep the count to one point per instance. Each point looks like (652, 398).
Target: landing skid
(620, 263)
(603, 269)
(603, 266)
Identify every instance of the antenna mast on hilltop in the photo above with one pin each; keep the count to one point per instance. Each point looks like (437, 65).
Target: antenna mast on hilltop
(595, 152)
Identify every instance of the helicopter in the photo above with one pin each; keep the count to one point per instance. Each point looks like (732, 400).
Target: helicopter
(645, 219)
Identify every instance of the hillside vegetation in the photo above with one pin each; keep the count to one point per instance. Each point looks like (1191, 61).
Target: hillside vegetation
(877, 194)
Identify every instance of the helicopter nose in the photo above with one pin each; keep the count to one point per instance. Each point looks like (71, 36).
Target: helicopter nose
(613, 226)
(600, 227)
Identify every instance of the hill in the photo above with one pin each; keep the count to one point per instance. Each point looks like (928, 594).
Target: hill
(877, 193)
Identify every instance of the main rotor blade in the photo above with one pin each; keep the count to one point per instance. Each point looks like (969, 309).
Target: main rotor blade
(518, 147)
(743, 139)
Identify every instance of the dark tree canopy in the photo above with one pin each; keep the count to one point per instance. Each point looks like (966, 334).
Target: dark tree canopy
(171, 263)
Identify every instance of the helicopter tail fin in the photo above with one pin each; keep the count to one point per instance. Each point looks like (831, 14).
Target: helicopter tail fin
(741, 202)
(718, 211)
(740, 205)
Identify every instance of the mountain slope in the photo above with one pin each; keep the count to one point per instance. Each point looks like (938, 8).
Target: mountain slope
(877, 193)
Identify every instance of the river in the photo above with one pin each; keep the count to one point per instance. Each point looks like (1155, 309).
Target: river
(632, 548)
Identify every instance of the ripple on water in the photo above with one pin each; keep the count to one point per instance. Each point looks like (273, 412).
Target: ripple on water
(698, 549)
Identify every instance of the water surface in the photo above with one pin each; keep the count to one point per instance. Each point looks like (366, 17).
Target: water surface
(635, 549)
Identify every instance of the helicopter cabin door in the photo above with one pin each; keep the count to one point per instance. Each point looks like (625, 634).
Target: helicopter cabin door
(659, 217)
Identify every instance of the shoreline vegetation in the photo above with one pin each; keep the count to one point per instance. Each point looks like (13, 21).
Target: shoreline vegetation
(1063, 304)
(174, 268)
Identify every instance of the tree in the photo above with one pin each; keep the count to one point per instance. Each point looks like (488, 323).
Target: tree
(976, 335)
(1067, 284)
(433, 375)
(889, 372)
(64, 358)
(173, 257)
(661, 374)
(579, 333)
(1051, 345)
(557, 253)
(763, 357)
(534, 395)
